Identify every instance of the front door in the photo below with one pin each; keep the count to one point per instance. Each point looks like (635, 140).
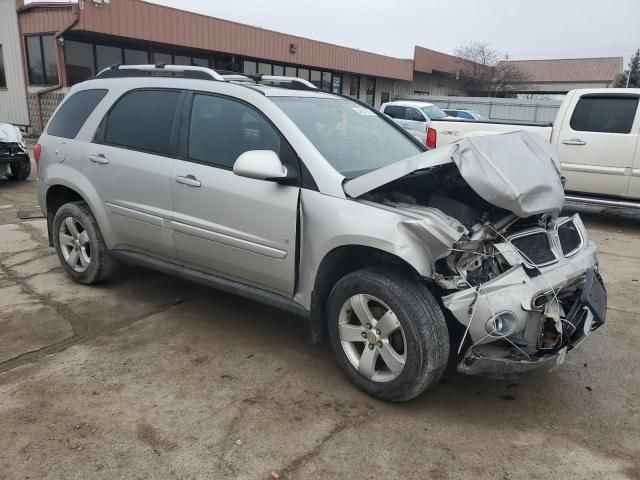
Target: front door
(235, 227)
(596, 145)
(130, 165)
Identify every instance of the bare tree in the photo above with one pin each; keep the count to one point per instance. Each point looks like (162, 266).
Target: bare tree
(486, 72)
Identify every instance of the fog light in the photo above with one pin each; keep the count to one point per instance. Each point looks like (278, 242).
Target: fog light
(502, 324)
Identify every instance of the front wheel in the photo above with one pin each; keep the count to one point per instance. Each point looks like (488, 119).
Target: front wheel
(388, 333)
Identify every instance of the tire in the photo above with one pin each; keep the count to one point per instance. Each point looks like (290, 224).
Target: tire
(91, 262)
(423, 341)
(20, 169)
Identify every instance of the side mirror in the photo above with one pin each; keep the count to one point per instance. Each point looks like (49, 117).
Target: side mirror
(260, 165)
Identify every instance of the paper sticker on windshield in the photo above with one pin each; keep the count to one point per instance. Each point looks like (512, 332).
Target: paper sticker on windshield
(363, 111)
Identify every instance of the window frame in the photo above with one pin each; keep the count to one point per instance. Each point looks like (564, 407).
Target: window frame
(184, 130)
(40, 37)
(100, 135)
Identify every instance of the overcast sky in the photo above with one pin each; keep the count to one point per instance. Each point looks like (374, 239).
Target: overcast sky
(523, 29)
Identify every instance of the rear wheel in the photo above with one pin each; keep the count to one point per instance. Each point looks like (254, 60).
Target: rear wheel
(20, 169)
(79, 244)
(388, 333)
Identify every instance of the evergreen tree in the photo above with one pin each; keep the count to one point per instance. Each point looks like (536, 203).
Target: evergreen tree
(632, 73)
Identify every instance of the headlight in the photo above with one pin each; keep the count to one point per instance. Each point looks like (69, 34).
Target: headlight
(502, 324)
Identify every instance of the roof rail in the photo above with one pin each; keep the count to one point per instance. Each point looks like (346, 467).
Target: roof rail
(160, 69)
(203, 73)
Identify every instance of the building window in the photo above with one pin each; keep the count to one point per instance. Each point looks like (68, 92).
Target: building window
(354, 89)
(278, 70)
(200, 61)
(370, 94)
(161, 57)
(326, 81)
(3, 78)
(80, 61)
(250, 68)
(385, 97)
(107, 56)
(337, 84)
(316, 78)
(264, 68)
(421, 92)
(290, 72)
(303, 73)
(41, 60)
(135, 57)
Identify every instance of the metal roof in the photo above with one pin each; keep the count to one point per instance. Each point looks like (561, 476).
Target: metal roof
(573, 70)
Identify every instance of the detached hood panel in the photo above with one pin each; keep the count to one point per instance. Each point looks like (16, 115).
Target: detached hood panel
(10, 133)
(518, 171)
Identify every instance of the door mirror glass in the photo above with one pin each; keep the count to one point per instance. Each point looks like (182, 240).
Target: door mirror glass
(260, 165)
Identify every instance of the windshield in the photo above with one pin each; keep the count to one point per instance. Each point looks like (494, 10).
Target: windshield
(433, 112)
(353, 139)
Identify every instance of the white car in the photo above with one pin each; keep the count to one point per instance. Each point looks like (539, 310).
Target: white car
(415, 117)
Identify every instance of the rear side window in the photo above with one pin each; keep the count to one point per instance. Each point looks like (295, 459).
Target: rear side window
(222, 129)
(604, 114)
(143, 120)
(414, 115)
(72, 114)
(395, 111)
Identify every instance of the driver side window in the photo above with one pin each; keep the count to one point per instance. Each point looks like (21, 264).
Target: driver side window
(222, 129)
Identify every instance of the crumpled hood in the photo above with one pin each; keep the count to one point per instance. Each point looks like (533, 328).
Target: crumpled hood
(517, 171)
(10, 133)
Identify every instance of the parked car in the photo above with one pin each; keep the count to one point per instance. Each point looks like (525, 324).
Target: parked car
(14, 158)
(323, 206)
(414, 117)
(463, 114)
(597, 135)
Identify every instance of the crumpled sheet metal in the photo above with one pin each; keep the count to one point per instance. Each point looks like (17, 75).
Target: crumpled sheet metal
(517, 171)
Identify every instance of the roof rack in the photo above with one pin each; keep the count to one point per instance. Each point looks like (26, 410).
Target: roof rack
(203, 73)
(160, 70)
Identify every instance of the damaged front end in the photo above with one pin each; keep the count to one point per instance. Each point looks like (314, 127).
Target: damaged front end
(521, 281)
(12, 148)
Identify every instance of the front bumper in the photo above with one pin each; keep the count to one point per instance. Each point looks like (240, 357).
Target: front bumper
(514, 291)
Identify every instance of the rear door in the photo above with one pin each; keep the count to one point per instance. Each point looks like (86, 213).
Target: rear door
(129, 164)
(634, 181)
(236, 227)
(597, 144)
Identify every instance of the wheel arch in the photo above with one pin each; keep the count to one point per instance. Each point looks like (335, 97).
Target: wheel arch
(338, 263)
(60, 191)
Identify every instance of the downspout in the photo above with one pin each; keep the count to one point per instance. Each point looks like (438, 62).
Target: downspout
(59, 65)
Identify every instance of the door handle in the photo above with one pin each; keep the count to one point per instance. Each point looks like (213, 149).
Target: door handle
(99, 159)
(574, 141)
(189, 180)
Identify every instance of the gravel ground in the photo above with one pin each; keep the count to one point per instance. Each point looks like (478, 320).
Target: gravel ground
(147, 376)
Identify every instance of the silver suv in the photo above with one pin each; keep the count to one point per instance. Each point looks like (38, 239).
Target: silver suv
(266, 187)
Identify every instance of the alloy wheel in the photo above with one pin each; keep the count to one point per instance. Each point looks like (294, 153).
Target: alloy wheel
(372, 338)
(74, 244)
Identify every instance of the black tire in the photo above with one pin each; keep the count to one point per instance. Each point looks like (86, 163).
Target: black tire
(20, 169)
(101, 263)
(421, 319)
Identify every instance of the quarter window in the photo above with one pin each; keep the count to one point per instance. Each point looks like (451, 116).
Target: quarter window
(604, 114)
(41, 60)
(222, 129)
(72, 114)
(414, 115)
(143, 120)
